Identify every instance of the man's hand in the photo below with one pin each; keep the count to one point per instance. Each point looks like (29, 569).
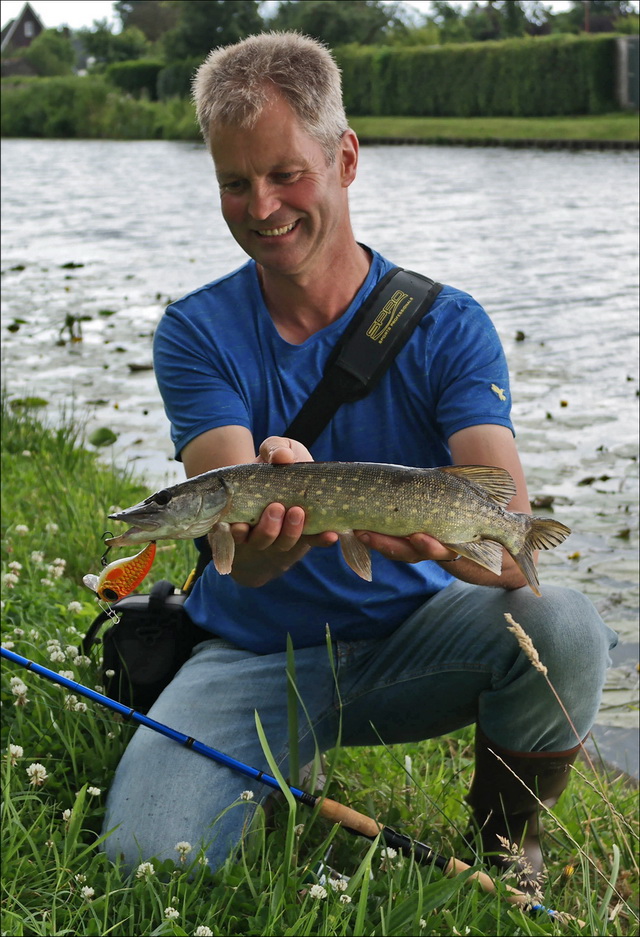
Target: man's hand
(276, 542)
(412, 549)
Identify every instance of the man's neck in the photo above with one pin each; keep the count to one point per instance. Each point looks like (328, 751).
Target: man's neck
(301, 306)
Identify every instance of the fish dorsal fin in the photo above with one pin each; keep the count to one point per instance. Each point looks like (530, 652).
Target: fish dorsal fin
(496, 482)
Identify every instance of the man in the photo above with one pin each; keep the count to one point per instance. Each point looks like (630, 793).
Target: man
(421, 650)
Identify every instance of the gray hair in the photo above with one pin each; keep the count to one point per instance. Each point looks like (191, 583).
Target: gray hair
(235, 82)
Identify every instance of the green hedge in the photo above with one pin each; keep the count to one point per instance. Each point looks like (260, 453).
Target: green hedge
(139, 77)
(534, 77)
(90, 107)
(174, 81)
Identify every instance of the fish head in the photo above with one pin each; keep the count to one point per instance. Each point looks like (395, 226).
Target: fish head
(181, 512)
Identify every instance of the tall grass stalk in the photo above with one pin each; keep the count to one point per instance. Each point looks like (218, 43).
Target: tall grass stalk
(55, 878)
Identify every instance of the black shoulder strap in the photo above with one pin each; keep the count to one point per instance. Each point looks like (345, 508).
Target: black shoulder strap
(375, 335)
(373, 338)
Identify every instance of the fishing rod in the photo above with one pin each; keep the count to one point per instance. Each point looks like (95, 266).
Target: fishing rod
(354, 822)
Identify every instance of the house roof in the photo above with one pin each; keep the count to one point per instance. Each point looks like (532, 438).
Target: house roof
(9, 30)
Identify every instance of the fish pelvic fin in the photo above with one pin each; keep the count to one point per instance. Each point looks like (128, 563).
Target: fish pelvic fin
(495, 482)
(356, 554)
(223, 548)
(487, 553)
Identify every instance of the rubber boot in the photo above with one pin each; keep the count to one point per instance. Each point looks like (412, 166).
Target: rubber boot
(503, 807)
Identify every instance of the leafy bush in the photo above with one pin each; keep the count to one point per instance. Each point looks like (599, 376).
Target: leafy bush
(137, 77)
(175, 79)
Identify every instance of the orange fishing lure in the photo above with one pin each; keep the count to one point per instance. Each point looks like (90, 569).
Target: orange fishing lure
(122, 576)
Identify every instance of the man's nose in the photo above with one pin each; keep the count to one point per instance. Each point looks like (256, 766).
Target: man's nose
(263, 201)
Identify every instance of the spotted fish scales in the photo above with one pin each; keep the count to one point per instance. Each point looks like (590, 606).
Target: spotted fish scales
(462, 506)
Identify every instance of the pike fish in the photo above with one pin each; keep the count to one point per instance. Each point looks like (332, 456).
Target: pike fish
(462, 506)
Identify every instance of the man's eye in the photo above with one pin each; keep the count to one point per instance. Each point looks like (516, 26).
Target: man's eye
(286, 176)
(234, 186)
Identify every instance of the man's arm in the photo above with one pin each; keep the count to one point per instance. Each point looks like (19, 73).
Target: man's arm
(275, 543)
(486, 444)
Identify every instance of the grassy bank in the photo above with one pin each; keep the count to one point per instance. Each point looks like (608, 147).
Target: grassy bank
(56, 881)
(614, 127)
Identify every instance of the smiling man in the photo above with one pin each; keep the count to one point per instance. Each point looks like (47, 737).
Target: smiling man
(421, 650)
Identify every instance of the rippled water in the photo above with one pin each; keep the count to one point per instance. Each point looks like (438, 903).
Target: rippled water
(547, 241)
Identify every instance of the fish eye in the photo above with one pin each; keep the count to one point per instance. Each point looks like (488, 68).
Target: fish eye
(109, 595)
(162, 497)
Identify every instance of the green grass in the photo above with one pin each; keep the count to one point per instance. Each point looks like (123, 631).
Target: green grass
(51, 832)
(619, 126)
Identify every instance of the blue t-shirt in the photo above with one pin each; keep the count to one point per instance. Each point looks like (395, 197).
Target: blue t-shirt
(219, 360)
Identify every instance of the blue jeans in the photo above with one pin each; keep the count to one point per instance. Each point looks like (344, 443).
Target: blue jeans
(452, 663)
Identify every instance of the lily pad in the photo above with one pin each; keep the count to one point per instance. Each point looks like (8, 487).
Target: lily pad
(102, 437)
(29, 402)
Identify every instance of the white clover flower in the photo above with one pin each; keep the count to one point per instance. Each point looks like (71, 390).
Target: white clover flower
(66, 816)
(69, 674)
(26, 453)
(183, 849)
(46, 582)
(14, 681)
(318, 892)
(203, 860)
(423, 923)
(14, 566)
(388, 852)
(37, 773)
(34, 634)
(94, 791)
(51, 528)
(10, 580)
(81, 660)
(74, 607)
(109, 674)
(80, 707)
(71, 651)
(19, 690)
(8, 644)
(145, 869)
(72, 628)
(171, 913)
(203, 931)
(53, 642)
(247, 795)
(70, 701)
(338, 884)
(37, 556)
(345, 899)
(57, 655)
(80, 878)
(59, 562)
(55, 571)
(299, 829)
(15, 752)
(87, 892)
(19, 632)
(21, 529)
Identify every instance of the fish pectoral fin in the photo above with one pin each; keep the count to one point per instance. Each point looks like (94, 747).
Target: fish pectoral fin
(223, 548)
(496, 482)
(487, 553)
(356, 554)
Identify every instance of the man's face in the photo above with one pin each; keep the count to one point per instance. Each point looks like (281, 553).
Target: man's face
(284, 205)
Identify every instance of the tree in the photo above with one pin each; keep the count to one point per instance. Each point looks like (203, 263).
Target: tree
(204, 24)
(337, 22)
(106, 47)
(51, 53)
(594, 16)
(152, 17)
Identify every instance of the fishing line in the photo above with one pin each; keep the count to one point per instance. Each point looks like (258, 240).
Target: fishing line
(354, 822)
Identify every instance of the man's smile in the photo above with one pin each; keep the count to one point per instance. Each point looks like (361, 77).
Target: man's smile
(277, 232)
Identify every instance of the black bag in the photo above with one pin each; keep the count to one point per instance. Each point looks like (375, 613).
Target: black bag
(146, 647)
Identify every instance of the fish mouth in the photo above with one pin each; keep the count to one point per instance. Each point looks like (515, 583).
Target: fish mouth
(277, 232)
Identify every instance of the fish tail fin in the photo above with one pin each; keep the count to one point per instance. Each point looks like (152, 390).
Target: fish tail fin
(544, 533)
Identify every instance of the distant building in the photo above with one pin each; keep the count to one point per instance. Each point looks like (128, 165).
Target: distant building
(18, 34)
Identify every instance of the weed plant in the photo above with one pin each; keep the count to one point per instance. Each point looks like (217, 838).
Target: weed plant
(59, 754)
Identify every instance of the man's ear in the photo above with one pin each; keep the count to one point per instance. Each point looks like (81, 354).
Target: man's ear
(348, 156)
